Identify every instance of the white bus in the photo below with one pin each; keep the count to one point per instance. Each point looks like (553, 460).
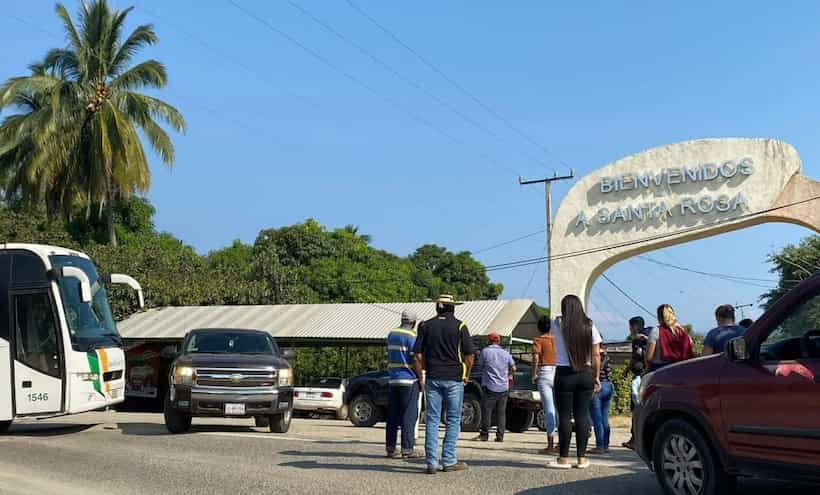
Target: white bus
(60, 352)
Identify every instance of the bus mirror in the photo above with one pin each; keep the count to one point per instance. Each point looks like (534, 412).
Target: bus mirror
(85, 283)
(737, 350)
(119, 278)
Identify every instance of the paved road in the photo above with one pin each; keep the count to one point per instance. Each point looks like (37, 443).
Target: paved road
(131, 453)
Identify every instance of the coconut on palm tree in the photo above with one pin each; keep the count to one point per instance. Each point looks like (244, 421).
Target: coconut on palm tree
(74, 141)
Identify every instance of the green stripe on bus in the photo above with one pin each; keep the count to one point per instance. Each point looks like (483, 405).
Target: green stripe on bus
(94, 365)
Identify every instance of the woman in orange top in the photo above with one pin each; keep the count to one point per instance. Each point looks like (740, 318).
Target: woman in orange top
(543, 375)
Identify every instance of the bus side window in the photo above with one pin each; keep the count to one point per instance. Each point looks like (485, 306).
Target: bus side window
(5, 276)
(27, 269)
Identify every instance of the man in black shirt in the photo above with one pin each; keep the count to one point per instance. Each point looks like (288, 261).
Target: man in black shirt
(444, 350)
(639, 334)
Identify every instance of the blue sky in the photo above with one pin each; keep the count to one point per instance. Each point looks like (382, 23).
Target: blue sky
(277, 136)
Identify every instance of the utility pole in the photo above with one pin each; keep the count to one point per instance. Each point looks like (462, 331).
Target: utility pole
(548, 197)
(742, 308)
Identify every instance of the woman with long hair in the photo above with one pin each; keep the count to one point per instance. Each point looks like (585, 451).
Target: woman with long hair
(578, 360)
(668, 343)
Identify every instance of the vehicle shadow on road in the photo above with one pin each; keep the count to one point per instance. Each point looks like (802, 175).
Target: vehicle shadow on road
(624, 484)
(154, 429)
(336, 455)
(398, 468)
(45, 429)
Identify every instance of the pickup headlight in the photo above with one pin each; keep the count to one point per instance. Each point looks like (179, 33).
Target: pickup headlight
(183, 375)
(286, 377)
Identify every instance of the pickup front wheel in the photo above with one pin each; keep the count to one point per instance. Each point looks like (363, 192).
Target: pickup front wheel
(280, 423)
(685, 464)
(362, 411)
(175, 420)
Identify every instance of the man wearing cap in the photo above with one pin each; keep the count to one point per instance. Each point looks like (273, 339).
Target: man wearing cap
(496, 365)
(444, 351)
(403, 398)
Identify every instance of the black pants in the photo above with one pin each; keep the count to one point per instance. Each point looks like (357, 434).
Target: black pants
(573, 393)
(493, 402)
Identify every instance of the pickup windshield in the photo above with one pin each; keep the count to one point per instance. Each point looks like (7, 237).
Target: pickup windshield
(230, 343)
(90, 325)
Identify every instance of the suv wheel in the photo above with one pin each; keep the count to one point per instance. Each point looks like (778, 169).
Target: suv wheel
(519, 420)
(4, 426)
(280, 423)
(470, 413)
(363, 411)
(685, 464)
(175, 420)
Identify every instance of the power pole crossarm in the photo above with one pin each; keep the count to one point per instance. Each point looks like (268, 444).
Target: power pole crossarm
(548, 198)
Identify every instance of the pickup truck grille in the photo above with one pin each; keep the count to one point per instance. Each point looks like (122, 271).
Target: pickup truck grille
(223, 377)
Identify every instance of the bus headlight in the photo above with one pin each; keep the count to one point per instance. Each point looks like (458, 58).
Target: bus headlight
(286, 377)
(183, 375)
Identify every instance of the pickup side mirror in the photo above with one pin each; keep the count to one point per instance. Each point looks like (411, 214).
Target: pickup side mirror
(289, 354)
(737, 350)
(168, 352)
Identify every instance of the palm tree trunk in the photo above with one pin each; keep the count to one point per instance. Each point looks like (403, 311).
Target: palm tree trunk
(109, 218)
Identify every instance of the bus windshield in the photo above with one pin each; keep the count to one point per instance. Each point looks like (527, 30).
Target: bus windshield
(90, 325)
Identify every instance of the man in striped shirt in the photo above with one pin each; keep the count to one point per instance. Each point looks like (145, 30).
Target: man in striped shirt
(402, 404)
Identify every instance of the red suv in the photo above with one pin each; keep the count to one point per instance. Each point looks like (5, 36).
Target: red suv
(752, 411)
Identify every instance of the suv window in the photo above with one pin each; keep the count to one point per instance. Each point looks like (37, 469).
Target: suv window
(797, 336)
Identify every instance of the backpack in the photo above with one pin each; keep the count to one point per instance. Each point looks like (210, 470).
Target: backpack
(674, 346)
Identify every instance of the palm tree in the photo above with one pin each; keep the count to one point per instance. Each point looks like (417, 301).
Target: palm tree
(75, 141)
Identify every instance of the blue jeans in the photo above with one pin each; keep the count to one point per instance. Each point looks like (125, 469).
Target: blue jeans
(450, 394)
(599, 412)
(402, 411)
(545, 381)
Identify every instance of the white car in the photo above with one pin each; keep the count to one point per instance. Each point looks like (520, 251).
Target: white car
(322, 395)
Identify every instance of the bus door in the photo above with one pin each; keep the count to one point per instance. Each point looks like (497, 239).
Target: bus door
(38, 369)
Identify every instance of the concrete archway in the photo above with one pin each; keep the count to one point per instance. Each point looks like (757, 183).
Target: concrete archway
(671, 195)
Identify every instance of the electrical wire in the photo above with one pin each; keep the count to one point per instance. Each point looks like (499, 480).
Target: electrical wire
(696, 228)
(511, 241)
(454, 83)
(625, 294)
(358, 81)
(418, 86)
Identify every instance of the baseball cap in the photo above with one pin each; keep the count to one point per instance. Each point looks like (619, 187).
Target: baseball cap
(408, 315)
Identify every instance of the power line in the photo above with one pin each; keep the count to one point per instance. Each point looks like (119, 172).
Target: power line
(455, 83)
(708, 274)
(222, 55)
(696, 228)
(511, 241)
(418, 86)
(358, 81)
(636, 303)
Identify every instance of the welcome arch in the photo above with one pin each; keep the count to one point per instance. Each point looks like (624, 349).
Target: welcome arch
(671, 195)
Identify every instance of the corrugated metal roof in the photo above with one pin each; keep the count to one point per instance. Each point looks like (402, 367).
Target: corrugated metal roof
(321, 321)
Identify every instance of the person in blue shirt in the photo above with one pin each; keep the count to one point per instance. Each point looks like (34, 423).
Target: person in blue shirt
(496, 367)
(403, 398)
(717, 338)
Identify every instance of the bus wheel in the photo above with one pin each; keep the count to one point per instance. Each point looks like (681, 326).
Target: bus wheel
(4, 426)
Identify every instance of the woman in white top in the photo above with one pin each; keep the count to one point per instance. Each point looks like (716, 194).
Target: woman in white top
(578, 360)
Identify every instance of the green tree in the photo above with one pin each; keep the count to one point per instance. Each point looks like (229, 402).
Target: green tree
(440, 270)
(75, 140)
(793, 264)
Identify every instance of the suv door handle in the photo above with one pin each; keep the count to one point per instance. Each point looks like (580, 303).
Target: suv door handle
(27, 384)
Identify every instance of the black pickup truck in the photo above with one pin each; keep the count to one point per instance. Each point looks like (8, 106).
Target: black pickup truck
(230, 373)
(367, 399)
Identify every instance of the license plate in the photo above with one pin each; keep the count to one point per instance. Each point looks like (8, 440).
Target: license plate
(313, 396)
(235, 409)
